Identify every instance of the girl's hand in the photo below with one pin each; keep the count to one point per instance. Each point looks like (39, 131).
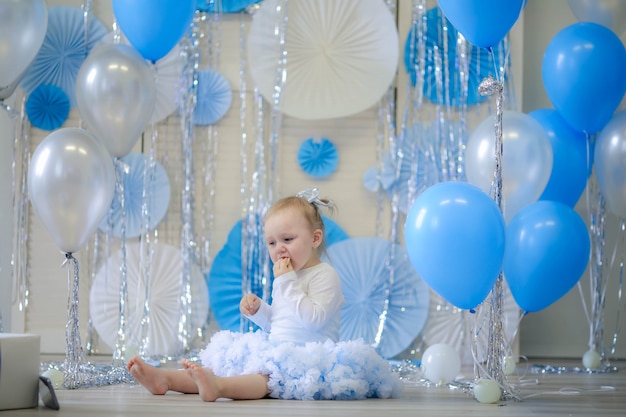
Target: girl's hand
(249, 304)
(282, 266)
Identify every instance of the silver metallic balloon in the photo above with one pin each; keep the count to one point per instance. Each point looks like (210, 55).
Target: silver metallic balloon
(7, 90)
(116, 95)
(23, 25)
(526, 159)
(609, 163)
(71, 184)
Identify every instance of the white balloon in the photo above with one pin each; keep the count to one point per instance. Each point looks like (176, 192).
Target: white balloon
(23, 25)
(71, 184)
(116, 95)
(440, 363)
(487, 391)
(609, 13)
(526, 159)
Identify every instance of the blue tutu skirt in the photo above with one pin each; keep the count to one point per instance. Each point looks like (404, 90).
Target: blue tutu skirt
(347, 370)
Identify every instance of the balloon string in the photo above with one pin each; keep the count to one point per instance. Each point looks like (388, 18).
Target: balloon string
(387, 109)
(86, 6)
(620, 287)
(490, 86)
(119, 353)
(91, 342)
(73, 349)
(19, 257)
(146, 249)
(594, 312)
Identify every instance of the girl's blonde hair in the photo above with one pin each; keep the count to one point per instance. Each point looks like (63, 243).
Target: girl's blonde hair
(309, 209)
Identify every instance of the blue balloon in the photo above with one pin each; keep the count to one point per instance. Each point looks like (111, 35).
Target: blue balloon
(455, 235)
(584, 75)
(572, 159)
(483, 23)
(547, 251)
(154, 28)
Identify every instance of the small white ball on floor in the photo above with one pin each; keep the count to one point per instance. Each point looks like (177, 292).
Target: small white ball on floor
(591, 359)
(487, 391)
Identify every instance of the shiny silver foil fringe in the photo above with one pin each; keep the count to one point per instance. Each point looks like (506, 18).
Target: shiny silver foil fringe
(496, 339)
(19, 170)
(119, 352)
(73, 350)
(188, 242)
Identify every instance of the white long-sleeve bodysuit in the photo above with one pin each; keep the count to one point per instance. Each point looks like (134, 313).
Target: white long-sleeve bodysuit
(306, 306)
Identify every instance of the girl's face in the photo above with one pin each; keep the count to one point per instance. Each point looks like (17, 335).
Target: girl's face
(288, 235)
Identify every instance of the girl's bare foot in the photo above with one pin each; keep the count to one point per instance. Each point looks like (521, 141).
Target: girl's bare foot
(205, 379)
(147, 375)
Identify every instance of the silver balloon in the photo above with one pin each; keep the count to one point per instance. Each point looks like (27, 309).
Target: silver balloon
(526, 159)
(609, 13)
(71, 184)
(116, 95)
(23, 25)
(8, 90)
(609, 163)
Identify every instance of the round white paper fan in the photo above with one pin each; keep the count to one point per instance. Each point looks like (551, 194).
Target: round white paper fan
(342, 56)
(453, 326)
(165, 289)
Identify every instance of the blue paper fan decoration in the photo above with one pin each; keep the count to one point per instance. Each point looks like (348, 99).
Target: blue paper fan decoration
(214, 97)
(63, 50)
(480, 62)
(47, 107)
(417, 160)
(133, 181)
(318, 157)
(361, 264)
(225, 277)
(227, 6)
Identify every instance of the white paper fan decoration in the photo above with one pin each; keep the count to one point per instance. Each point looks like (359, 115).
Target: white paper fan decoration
(342, 56)
(169, 70)
(453, 326)
(165, 289)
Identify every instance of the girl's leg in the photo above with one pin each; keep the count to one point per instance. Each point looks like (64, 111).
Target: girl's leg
(158, 381)
(243, 387)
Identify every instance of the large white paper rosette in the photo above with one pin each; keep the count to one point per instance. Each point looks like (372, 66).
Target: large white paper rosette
(164, 289)
(342, 56)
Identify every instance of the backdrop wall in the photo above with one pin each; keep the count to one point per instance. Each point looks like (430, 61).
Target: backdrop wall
(560, 330)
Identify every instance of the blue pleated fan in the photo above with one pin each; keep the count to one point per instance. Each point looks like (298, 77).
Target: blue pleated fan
(47, 107)
(133, 181)
(63, 50)
(425, 166)
(318, 158)
(369, 288)
(214, 97)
